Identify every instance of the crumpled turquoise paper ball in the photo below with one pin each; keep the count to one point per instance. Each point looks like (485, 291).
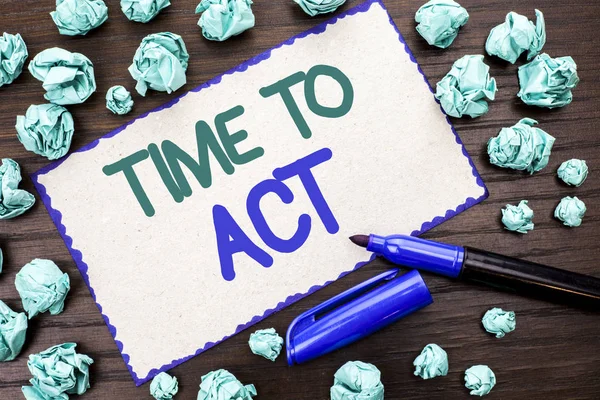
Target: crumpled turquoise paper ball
(515, 36)
(67, 77)
(164, 386)
(58, 372)
(499, 322)
(570, 211)
(521, 147)
(432, 362)
(42, 287)
(13, 329)
(118, 100)
(518, 218)
(13, 201)
(439, 21)
(13, 53)
(357, 380)
(143, 10)
(78, 17)
(222, 19)
(547, 82)
(46, 129)
(480, 379)
(466, 88)
(223, 385)
(266, 343)
(573, 172)
(315, 7)
(160, 63)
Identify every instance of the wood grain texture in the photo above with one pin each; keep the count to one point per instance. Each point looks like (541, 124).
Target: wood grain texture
(555, 350)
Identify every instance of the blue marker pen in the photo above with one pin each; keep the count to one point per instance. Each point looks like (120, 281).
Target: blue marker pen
(484, 267)
(388, 297)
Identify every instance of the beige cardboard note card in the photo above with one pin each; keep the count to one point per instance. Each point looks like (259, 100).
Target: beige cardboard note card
(208, 214)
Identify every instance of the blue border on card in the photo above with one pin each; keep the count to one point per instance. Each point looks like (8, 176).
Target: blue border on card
(78, 256)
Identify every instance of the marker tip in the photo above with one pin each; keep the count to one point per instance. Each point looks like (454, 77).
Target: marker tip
(360, 240)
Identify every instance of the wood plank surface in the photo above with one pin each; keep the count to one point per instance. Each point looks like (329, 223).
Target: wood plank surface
(555, 350)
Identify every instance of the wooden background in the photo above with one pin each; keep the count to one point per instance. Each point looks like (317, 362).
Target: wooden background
(555, 350)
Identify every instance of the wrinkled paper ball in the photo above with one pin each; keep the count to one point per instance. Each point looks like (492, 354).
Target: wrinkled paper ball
(160, 63)
(13, 201)
(266, 343)
(143, 10)
(432, 362)
(570, 211)
(316, 7)
(480, 379)
(515, 36)
(573, 172)
(42, 287)
(13, 53)
(58, 372)
(521, 147)
(118, 100)
(221, 20)
(13, 330)
(439, 21)
(68, 78)
(164, 386)
(467, 88)
(499, 322)
(357, 380)
(78, 17)
(518, 218)
(223, 385)
(46, 129)
(548, 82)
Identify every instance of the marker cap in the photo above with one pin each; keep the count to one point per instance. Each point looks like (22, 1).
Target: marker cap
(355, 313)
